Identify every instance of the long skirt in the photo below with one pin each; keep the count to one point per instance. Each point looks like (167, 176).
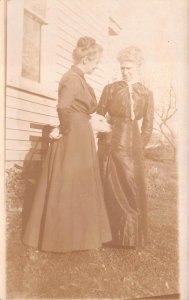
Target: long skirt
(121, 164)
(68, 211)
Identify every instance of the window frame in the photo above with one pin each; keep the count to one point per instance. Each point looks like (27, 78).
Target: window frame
(41, 20)
(15, 50)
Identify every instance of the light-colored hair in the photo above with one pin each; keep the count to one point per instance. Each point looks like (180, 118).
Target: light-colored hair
(86, 47)
(132, 54)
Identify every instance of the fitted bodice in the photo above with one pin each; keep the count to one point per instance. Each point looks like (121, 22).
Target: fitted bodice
(75, 93)
(116, 101)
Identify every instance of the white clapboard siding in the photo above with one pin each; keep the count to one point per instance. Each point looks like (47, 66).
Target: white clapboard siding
(21, 125)
(63, 33)
(78, 25)
(66, 39)
(78, 9)
(31, 107)
(30, 116)
(22, 145)
(19, 135)
(24, 95)
(23, 111)
(63, 57)
(60, 70)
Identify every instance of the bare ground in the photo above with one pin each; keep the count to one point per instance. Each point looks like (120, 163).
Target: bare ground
(104, 273)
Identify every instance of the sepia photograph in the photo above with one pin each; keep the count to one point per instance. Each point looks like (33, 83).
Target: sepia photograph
(94, 205)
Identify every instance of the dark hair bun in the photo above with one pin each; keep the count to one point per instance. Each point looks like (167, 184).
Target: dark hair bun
(86, 46)
(86, 42)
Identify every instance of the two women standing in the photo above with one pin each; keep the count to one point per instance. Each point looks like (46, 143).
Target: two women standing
(68, 211)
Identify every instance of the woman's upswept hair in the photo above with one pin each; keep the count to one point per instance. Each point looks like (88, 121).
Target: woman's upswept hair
(132, 54)
(86, 46)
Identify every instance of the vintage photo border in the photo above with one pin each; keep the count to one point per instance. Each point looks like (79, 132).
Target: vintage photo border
(183, 154)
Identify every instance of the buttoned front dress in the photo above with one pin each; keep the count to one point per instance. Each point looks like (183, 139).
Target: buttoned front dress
(121, 160)
(68, 211)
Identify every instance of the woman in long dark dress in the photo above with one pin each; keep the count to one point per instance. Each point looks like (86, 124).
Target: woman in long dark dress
(68, 211)
(121, 151)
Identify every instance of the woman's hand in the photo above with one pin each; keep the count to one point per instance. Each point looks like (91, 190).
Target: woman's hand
(99, 123)
(55, 134)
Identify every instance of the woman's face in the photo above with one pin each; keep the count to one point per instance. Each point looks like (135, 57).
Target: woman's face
(129, 71)
(91, 64)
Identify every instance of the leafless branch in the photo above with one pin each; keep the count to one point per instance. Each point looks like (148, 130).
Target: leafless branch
(162, 117)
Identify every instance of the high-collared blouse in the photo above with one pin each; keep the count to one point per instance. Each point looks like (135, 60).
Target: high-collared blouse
(116, 101)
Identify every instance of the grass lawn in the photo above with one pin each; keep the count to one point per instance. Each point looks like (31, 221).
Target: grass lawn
(104, 273)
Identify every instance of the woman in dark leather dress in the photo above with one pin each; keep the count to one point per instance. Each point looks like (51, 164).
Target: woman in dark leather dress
(68, 211)
(121, 151)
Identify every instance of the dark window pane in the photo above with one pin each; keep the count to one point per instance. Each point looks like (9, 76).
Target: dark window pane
(31, 48)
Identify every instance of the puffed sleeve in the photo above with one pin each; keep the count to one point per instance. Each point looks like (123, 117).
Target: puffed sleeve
(147, 124)
(104, 100)
(67, 92)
